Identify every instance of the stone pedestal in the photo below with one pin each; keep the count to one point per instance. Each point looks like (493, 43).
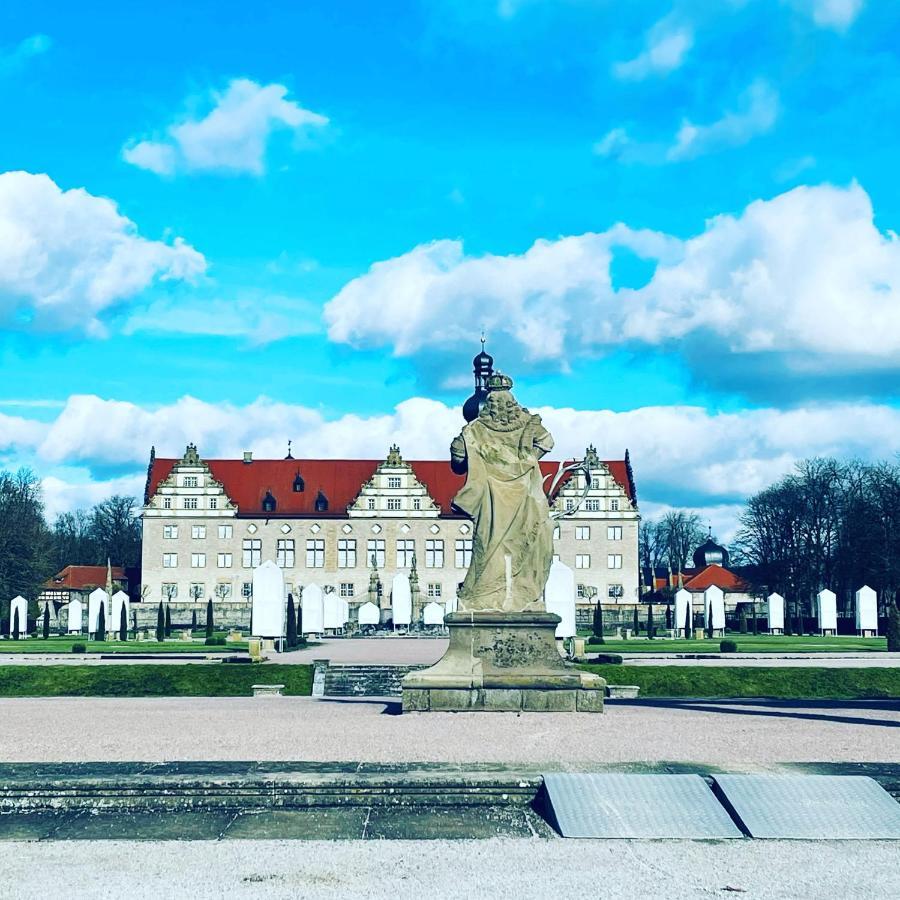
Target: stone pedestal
(502, 662)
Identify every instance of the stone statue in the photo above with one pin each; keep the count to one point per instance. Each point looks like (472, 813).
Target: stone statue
(504, 495)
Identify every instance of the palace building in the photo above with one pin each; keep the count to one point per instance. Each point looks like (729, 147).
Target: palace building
(350, 525)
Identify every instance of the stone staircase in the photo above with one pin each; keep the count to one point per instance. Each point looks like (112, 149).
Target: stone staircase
(349, 680)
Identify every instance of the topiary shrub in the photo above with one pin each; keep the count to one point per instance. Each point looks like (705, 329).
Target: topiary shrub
(609, 659)
(79, 648)
(727, 647)
(215, 641)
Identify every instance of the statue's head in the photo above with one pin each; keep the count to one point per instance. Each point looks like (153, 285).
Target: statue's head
(501, 410)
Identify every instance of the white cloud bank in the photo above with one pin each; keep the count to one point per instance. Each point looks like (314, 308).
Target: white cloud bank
(68, 256)
(682, 455)
(666, 46)
(837, 15)
(805, 279)
(232, 137)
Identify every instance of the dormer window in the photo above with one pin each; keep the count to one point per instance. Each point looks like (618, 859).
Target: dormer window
(321, 502)
(268, 503)
(394, 481)
(299, 484)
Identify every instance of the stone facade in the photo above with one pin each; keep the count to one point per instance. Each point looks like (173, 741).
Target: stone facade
(208, 524)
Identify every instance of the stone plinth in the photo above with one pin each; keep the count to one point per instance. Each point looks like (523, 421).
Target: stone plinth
(502, 662)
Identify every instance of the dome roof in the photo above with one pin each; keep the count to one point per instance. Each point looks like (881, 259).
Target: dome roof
(710, 553)
(483, 361)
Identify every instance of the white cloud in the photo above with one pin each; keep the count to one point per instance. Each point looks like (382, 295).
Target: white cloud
(682, 455)
(17, 56)
(78, 491)
(612, 143)
(66, 257)
(665, 47)
(805, 279)
(838, 15)
(231, 138)
(757, 115)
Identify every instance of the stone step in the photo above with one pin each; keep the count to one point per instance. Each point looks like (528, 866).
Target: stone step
(359, 680)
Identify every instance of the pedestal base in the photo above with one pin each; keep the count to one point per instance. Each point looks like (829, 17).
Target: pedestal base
(502, 662)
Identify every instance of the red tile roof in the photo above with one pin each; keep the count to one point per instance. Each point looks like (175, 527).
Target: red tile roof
(716, 575)
(79, 578)
(340, 480)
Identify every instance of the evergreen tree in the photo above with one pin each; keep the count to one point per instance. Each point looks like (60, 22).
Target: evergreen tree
(893, 628)
(291, 623)
(755, 619)
(160, 623)
(743, 624)
(709, 628)
(46, 621)
(650, 621)
(668, 617)
(636, 625)
(168, 625)
(598, 624)
(193, 620)
(123, 624)
(299, 625)
(209, 618)
(101, 624)
(688, 629)
(16, 625)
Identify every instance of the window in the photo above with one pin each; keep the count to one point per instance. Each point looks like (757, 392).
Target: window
(615, 591)
(346, 589)
(247, 590)
(213, 502)
(393, 503)
(570, 505)
(269, 503)
(370, 503)
(170, 531)
(614, 505)
(463, 553)
(167, 502)
(434, 554)
(198, 531)
(298, 484)
(223, 561)
(394, 481)
(580, 592)
(285, 553)
(190, 481)
(375, 548)
(225, 531)
(223, 590)
(190, 502)
(434, 589)
(321, 502)
(556, 532)
(595, 484)
(582, 560)
(614, 532)
(315, 553)
(169, 590)
(252, 548)
(405, 551)
(198, 560)
(592, 505)
(582, 532)
(198, 590)
(170, 560)
(417, 503)
(614, 561)
(346, 553)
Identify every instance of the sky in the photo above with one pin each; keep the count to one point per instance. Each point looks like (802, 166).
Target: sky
(242, 225)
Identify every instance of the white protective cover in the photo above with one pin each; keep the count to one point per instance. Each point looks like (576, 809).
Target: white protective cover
(683, 602)
(268, 601)
(332, 611)
(714, 602)
(433, 614)
(345, 611)
(369, 614)
(21, 604)
(401, 600)
(826, 607)
(866, 609)
(118, 599)
(559, 597)
(313, 605)
(775, 612)
(451, 605)
(76, 611)
(95, 598)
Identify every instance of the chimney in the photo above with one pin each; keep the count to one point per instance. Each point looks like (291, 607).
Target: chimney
(248, 456)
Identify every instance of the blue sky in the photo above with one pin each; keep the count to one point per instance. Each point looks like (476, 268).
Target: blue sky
(673, 219)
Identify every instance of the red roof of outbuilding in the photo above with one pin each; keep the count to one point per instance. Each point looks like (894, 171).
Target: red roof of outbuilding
(716, 575)
(340, 480)
(78, 578)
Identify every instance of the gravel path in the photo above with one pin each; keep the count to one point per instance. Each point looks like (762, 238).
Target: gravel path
(726, 733)
(520, 869)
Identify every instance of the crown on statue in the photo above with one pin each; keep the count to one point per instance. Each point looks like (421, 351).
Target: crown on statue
(499, 382)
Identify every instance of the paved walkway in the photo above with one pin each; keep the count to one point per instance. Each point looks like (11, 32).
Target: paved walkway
(738, 734)
(501, 868)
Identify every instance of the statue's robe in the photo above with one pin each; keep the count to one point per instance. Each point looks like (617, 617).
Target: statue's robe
(504, 495)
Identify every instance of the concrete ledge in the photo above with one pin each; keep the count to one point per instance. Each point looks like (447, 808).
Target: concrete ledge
(506, 699)
(267, 690)
(622, 691)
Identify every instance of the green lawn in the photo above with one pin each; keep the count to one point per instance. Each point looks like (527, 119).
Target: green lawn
(746, 643)
(217, 680)
(739, 681)
(64, 645)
